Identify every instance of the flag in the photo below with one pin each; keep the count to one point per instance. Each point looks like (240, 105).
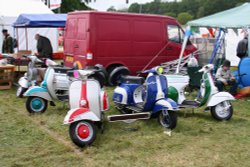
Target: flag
(188, 31)
(54, 4)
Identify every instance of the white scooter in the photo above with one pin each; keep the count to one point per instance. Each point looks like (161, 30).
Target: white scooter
(87, 101)
(30, 77)
(218, 102)
(55, 86)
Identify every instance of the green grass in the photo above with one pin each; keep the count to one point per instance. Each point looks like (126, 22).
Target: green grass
(42, 140)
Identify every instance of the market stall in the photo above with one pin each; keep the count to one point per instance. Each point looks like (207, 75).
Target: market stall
(234, 19)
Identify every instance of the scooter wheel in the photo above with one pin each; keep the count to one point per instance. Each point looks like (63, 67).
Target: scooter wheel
(36, 104)
(221, 111)
(168, 120)
(20, 91)
(82, 133)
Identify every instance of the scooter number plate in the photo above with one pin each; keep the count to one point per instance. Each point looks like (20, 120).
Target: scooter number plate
(69, 59)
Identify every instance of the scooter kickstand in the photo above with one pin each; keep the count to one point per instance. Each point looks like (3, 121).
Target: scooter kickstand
(51, 103)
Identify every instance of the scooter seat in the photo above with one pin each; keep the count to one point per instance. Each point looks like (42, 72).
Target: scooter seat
(63, 70)
(132, 79)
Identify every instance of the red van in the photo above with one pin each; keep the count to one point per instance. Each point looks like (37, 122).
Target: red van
(124, 40)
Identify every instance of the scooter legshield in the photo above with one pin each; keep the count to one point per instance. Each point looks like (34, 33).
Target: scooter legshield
(38, 92)
(78, 114)
(218, 98)
(23, 82)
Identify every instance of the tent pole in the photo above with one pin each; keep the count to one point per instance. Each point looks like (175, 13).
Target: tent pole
(188, 33)
(17, 38)
(216, 46)
(26, 36)
(248, 30)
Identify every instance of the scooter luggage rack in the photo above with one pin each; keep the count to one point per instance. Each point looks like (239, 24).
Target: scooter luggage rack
(171, 66)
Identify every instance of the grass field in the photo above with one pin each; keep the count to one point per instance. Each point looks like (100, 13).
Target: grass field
(198, 140)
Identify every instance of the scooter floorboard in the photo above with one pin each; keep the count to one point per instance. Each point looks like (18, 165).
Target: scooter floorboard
(123, 117)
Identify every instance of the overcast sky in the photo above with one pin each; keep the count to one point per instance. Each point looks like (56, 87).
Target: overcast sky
(103, 5)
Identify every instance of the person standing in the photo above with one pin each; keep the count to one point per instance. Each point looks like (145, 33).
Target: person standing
(242, 47)
(44, 47)
(224, 78)
(7, 46)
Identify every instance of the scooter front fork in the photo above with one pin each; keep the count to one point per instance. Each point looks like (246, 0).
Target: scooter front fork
(165, 113)
(226, 105)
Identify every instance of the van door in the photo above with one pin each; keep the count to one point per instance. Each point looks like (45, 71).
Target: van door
(175, 37)
(69, 41)
(81, 44)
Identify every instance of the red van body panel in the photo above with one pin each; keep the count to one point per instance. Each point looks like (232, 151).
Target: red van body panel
(132, 40)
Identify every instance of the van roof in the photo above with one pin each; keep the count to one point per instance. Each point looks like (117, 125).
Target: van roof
(121, 14)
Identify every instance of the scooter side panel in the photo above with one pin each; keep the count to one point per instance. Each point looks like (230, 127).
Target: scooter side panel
(168, 104)
(49, 79)
(78, 114)
(94, 96)
(218, 98)
(123, 94)
(38, 92)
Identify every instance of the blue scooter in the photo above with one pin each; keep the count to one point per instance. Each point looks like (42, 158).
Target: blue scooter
(137, 99)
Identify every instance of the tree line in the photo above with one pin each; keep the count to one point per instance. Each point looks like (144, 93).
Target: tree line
(183, 10)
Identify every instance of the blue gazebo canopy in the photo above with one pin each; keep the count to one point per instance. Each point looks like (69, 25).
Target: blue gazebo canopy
(40, 20)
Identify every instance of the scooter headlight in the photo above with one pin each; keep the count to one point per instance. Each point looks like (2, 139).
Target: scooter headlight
(83, 103)
(160, 70)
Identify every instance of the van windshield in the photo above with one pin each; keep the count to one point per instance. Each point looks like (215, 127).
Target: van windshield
(175, 33)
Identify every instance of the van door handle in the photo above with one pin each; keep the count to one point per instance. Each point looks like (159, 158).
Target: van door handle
(169, 48)
(76, 46)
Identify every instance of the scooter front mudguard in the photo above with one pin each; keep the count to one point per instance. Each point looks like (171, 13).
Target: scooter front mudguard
(167, 104)
(23, 82)
(38, 92)
(218, 98)
(78, 114)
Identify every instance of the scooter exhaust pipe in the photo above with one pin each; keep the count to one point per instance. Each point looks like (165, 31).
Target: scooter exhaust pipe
(123, 117)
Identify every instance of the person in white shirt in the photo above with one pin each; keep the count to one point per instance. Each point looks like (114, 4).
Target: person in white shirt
(224, 78)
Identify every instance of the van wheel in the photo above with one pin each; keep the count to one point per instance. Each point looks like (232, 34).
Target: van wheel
(116, 73)
(102, 70)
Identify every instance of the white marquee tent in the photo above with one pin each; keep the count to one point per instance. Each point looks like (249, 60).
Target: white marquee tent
(11, 9)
